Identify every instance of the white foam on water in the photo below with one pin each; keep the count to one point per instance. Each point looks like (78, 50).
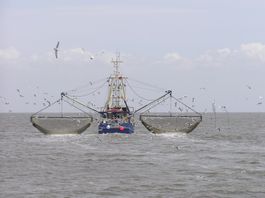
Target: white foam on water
(63, 135)
(172, 135)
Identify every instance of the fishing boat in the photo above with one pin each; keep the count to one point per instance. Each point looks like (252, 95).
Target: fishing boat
(116, 116)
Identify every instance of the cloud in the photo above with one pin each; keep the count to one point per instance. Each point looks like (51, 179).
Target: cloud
(175, 60)
(9, 54)
(172, 57)
(255, 51)
(217, 56)
(245, 54)
(242, 56)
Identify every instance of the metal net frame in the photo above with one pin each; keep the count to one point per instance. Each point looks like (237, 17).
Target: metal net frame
(173, 120)
(61, 122)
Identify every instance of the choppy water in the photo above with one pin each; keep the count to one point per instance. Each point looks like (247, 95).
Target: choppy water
(204, 163)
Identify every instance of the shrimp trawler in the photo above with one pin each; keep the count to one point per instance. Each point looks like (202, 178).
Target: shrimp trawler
(116, 116)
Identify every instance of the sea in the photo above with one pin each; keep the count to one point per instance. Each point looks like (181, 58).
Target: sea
(222, 157)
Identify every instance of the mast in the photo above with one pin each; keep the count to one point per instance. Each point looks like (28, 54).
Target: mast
(116, 92)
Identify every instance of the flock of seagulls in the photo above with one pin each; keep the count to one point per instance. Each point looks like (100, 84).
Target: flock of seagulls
(46, 101)
(35, 99)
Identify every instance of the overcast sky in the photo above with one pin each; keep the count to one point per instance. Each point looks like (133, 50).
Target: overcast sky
(210, 50)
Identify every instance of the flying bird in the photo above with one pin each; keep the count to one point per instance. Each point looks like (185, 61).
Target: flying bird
(56, 49)
(91, 57)
(248, 86)
(83, 50)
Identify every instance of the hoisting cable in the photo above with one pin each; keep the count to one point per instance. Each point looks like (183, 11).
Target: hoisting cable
(186, 106)
(136, 92)
(127, 107)
(86, 85)
(61, 106)
(57, 101)
(87, 94)
(157, 104)
(77, 108)
(65, 95)
(167, 93)
(147, 84)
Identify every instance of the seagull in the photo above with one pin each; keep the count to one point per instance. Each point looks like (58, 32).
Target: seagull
(18, 90)
(259, 103)
(56, 49)
(248, 86)
(90, 56)
(83, 50)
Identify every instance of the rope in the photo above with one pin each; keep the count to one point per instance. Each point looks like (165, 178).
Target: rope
(137, 93)
(77, 108)
(186, 106)
(156, 104)
(87, 85)
(87, 94)
(149, 85)
(57, 101)
(80, 103)
(150, 103)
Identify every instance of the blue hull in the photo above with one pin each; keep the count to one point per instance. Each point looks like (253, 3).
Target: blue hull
(126, 128)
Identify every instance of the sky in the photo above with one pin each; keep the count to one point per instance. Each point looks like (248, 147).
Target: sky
(210, 50)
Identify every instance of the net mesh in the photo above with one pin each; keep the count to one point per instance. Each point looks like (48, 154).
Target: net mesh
(157, 123)
(61, 125)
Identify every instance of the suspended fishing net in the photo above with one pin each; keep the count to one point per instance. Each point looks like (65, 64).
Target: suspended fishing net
(62, 123)
(158, 123)
(169, 114)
